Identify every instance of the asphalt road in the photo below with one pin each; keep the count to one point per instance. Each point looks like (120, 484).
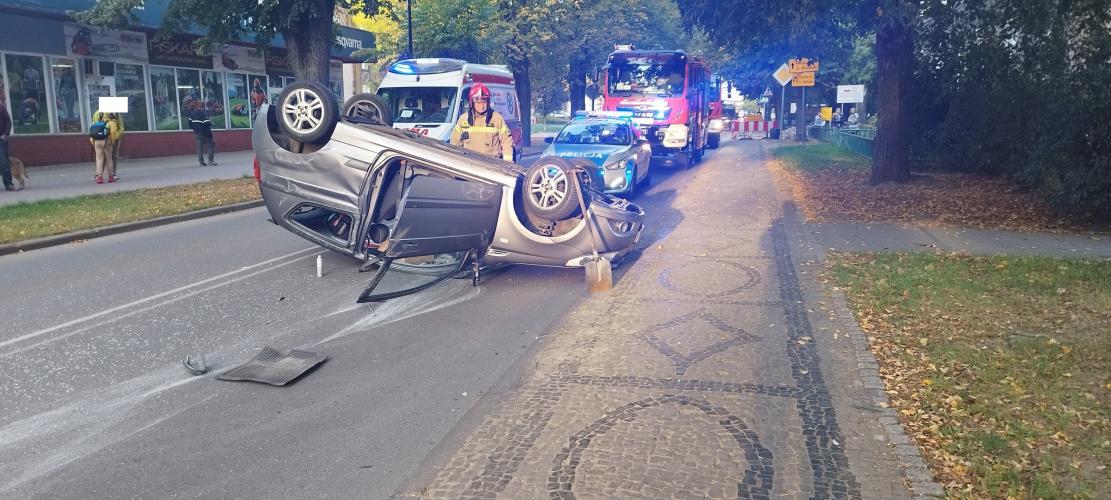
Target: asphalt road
(96, 403)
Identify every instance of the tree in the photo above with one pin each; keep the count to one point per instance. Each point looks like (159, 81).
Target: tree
(826, 30)
(305, 25)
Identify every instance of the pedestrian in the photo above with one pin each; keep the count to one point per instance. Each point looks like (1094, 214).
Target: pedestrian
(105, 135)
(202, 132)
(853, 120)
(481, 129)
(5, 131)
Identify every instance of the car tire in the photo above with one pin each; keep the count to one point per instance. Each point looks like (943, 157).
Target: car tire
(647, 181)
(714, 141)
(549, 190)
(307, 112)
(368, 106)
(633, 190)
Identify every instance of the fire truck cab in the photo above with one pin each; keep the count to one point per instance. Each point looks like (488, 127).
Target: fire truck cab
(668, 92)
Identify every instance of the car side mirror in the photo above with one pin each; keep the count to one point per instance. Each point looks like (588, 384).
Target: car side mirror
(549, 140)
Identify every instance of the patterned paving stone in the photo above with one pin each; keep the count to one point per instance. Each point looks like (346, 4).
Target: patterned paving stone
(699, 376)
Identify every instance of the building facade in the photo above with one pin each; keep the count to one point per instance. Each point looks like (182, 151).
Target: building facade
(53, 70)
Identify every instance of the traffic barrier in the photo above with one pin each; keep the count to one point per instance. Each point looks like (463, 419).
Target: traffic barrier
(755, 126)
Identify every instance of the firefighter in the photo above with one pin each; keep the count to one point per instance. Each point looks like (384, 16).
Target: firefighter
(481, 129)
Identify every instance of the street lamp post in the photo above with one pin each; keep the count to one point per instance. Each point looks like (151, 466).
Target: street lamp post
(409, 17)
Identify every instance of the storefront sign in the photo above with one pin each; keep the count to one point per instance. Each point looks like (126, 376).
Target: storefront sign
(238, 58)
(277, 62)
(178, 51)
(122, 46)
(349, 41)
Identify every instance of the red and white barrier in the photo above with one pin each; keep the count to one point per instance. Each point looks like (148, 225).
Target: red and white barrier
(760, 126)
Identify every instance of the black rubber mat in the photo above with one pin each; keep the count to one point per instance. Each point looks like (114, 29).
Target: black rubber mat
(273, 367)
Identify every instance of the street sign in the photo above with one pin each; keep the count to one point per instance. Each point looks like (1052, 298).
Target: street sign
(802, 66)
(782, 75)
(802, 80)
(850, 93)
(826, 113)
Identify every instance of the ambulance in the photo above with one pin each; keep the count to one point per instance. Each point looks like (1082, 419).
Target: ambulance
(427, 96)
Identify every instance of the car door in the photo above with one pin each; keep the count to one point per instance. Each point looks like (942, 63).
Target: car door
(437, 216)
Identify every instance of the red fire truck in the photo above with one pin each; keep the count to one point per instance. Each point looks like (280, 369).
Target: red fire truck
(668, 93)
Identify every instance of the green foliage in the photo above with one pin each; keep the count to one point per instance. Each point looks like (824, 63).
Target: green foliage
(1020, 89)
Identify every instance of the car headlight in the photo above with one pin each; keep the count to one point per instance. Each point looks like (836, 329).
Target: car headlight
(716, 125)
(622, 163)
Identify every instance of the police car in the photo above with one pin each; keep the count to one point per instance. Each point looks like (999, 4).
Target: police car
(607, 145)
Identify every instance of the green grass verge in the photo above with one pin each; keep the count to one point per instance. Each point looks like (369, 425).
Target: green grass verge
(24, 221)
(998, 366)
(820, 156)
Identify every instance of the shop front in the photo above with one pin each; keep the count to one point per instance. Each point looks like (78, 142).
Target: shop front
(53, 70)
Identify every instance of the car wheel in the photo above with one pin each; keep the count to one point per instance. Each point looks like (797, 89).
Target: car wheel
(647, 181)
(714, 141)
(370, 107)
(307, 112)
(549, 189)
(633, 189)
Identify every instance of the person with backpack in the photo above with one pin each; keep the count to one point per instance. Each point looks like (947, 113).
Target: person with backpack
(202, 132)
(481, 129)
(105, 134)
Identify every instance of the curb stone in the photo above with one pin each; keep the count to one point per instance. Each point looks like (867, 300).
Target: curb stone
(915, 471)
(87, 234)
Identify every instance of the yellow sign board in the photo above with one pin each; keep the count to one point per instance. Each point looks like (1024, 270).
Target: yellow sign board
(802, 66)
(782, 75)
(827, 113)
(803, 80)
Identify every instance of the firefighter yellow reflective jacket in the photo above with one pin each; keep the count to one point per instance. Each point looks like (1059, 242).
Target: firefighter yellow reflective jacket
(487, 134)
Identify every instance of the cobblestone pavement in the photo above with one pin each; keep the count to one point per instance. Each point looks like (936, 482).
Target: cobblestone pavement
(705, 373)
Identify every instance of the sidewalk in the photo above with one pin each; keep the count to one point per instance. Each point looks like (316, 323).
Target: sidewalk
(708, 372)
(76, 179)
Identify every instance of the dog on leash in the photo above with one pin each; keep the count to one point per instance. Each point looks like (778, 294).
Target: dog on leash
(19, 172)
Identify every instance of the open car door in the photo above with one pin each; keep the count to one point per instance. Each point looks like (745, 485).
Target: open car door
(437, 218)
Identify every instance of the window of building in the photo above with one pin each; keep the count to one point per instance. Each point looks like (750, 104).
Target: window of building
(188, 94)
(239, 101)
(67, 112)
(259, 84)
(212, 91)
(27, 103)
(164, 98)
(130, 83)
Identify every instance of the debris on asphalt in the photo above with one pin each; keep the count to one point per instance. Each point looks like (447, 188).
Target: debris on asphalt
(196, 367)
(273, 367)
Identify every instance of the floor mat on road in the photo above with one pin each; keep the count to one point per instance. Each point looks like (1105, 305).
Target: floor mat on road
(273, 367)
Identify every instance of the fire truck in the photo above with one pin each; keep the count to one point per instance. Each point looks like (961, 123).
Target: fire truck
(668, 92)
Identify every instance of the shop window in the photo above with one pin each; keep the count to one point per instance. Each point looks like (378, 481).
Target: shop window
(164, 98)
(67, 104)
(130, 84)
(27, 93)
(212, 91)
(239, 108)
(188, 94)
(107, 68)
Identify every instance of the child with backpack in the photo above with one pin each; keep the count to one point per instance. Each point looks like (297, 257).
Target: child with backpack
(105, 135)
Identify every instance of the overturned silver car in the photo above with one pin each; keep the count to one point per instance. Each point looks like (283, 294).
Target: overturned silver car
(343, 179)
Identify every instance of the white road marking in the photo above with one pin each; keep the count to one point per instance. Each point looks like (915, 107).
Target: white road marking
(132, 304)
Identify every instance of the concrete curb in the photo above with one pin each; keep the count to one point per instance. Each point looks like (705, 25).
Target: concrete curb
(87, 234)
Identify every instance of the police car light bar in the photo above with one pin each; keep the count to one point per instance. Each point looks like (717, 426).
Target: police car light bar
(622, 115)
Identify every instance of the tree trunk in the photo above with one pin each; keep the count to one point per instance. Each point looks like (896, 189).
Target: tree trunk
(576, 84)
(524, 98)
(894, 65)
(309, 40)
